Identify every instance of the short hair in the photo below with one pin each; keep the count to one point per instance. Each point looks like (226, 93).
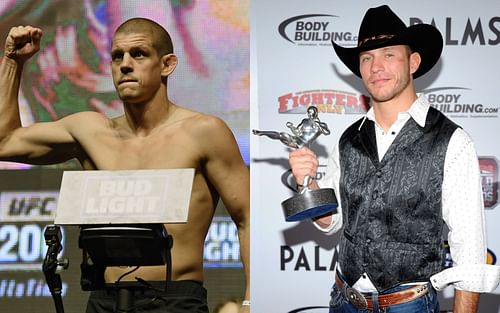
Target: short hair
(162, 42)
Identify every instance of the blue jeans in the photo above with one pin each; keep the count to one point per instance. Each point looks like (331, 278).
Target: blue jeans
(425, 304)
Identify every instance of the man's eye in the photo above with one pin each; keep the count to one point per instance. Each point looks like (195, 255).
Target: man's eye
(116, 57)
(137, 54)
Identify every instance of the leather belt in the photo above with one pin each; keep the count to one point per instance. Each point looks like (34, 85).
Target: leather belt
(364, 302)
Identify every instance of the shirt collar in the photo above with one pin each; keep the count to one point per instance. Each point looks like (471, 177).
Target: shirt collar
(418, 111)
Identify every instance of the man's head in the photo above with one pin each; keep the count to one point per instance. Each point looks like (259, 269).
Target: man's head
(380, 28)
(141, 60)
(312, 112)
(386, 72)
(160, 38)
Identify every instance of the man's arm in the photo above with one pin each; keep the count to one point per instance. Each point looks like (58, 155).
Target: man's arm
(463, 212)
(465, 301)
(21, 43)
(38, 144)
(230, 176)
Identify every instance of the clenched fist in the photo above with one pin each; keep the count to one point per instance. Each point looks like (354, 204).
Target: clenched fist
(22, 42)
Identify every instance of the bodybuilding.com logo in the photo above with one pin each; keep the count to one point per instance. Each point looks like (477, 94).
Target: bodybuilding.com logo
(458, 102)
(318, 30)
(314, 30)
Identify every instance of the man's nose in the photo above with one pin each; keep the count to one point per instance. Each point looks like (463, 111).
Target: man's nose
(377, 64)
(126, 65)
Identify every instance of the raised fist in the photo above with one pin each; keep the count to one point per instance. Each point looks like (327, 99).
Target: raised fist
(22, 42)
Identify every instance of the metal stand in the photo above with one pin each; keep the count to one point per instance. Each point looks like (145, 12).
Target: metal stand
(125, 300)
(123, 245)
(53, 237)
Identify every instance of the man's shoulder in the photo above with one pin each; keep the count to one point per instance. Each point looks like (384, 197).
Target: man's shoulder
(208, 132)
(86, 120)
(198, 121)
(88, 116)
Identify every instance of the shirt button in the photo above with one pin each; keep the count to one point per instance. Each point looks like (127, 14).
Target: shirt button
(379, 174)
(375, 194)
(368, 241)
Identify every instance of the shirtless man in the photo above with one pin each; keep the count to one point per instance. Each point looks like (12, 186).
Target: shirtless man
(153, 133)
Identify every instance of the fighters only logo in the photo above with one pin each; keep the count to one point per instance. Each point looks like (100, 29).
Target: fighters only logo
(326, 100)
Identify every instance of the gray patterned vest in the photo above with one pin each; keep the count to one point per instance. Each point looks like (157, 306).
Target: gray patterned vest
(392, 209)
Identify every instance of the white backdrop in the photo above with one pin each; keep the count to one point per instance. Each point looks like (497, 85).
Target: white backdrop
(293, 65)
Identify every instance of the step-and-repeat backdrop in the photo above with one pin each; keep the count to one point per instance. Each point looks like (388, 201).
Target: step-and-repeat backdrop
(293, 66)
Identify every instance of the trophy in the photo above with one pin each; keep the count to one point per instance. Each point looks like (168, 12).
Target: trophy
(307, 203)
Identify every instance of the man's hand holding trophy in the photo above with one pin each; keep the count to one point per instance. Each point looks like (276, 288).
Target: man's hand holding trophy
(307, 203)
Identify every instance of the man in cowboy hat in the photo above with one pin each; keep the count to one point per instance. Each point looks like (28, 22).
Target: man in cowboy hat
(399, 172)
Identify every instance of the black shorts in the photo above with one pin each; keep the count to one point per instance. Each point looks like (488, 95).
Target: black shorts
(183, 296)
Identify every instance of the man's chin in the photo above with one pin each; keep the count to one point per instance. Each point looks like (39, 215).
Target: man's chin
(380, 95)
(127, 96)
(128, 99)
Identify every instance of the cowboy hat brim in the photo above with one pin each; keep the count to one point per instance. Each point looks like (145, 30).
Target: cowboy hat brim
(422, 38)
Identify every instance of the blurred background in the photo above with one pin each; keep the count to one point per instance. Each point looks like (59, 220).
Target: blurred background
(70, 74)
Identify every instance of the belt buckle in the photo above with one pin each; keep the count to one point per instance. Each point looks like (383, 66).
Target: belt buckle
(356, 298)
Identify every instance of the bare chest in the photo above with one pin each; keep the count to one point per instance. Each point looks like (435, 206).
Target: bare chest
(163, 150)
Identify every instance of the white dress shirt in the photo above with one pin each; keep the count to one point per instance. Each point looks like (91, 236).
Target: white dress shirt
(462, 205)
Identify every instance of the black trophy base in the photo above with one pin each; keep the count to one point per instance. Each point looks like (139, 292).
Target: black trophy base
(310, 204)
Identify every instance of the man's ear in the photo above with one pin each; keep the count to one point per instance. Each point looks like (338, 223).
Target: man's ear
(415, 60)
(168, 63)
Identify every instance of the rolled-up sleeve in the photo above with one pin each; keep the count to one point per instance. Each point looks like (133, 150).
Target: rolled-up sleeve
(463, 212)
